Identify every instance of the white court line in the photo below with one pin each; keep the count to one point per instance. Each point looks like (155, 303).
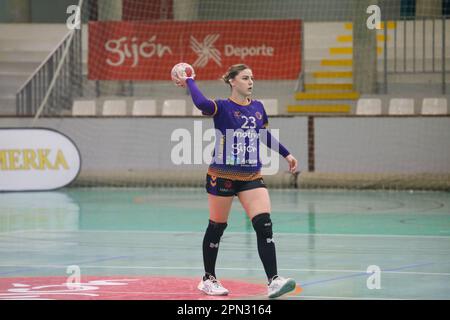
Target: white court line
(222, 268)
(228, 232)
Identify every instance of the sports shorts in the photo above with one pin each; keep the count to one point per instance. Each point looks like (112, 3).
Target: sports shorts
(228, 188)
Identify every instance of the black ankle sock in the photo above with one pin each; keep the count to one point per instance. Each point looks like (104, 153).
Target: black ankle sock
(207, 275)
(211, 242)
(273, 278)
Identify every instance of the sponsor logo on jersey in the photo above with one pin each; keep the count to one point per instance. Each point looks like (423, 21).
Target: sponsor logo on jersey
(258, 115)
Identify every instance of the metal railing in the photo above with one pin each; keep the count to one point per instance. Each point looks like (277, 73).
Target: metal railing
(67, 86)
(412, 53)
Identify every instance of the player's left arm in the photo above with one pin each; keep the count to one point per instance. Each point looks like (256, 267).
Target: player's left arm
(272, 143)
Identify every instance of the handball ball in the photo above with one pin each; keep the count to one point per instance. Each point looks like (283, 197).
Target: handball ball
(180, 72)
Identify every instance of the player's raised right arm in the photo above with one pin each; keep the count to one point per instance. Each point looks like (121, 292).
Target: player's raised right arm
(183, 75)
(206, 105)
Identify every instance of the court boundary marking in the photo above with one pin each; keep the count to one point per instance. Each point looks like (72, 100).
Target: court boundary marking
(228, 232)
(389, 271)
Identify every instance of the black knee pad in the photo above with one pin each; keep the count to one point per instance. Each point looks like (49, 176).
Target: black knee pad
(216, 229)
(263, 225)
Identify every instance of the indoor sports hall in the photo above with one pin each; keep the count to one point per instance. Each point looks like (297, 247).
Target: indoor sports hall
(103, 158)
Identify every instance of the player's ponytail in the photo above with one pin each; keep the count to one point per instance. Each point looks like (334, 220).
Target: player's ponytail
(233, 71)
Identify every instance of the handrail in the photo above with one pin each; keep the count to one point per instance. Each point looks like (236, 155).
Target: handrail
(49, 56)
(418, 63)
(52, 87)
(63, 68)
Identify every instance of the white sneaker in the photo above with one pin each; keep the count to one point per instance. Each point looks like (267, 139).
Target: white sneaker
(212, 287)
(280, 286)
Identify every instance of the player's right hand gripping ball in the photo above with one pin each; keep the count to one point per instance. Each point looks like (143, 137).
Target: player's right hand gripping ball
(180, 72)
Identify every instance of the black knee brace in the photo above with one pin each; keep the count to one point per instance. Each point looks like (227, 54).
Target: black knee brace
(215, 231)
(266, 246)
(263, 226)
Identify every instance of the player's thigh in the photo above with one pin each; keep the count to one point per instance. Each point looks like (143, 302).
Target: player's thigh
(255, 201)
(219, 208)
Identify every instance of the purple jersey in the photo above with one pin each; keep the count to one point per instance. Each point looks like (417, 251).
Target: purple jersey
(239, 129)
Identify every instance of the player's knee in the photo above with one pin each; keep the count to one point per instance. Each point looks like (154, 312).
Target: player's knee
(263, 225)
(217, 228)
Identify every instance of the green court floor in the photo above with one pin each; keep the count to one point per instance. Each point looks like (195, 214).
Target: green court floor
(325, 239)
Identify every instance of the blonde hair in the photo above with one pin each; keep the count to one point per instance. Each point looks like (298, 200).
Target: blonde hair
(233, 71)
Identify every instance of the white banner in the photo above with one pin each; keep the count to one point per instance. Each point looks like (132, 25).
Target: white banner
(36, 159)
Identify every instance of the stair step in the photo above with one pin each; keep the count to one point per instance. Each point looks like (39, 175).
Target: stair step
(336, 62)
(341, 50)
(327, 96)
(348, 50)
(319, 108)
(391, 25)
(9, 90)
(349, 38)
(18, 67)
(7, 105)
(23, 56)
(333, 74)
(328, 86)
(310, 78)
